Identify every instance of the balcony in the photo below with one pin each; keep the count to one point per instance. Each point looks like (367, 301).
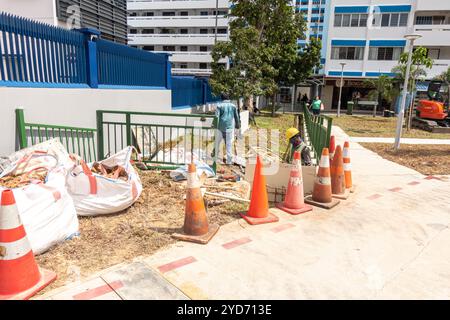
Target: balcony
(174, 39)
(175, 4)
(182, 71)
(439, 66)
(177, 21)
(433, 35)
(432, 5)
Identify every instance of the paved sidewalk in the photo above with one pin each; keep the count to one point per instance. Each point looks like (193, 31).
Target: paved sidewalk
(389, 240)
(403, 140)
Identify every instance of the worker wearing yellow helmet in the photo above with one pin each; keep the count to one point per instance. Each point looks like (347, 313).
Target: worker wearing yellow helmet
(296, 143)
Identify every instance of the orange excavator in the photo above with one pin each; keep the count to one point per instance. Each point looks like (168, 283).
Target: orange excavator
(433, 110)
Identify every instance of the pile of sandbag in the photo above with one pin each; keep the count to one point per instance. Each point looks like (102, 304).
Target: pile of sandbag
(104, 187)
(52, 187)
(37, 176)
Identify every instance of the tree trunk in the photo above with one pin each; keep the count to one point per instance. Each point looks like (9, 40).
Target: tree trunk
(380, 102)
(273, 104)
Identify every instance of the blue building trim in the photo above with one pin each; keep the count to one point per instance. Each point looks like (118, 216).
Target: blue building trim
(397, 8)
(346, 73)
(349, 43)
(351, 9)
(62, 85)
(377, 74)
(387, 43)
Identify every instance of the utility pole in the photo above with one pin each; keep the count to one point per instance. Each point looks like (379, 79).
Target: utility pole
(340, 89)
(411, 38)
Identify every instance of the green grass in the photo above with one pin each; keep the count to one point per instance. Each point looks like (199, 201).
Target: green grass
(282, 122)
(368, 126)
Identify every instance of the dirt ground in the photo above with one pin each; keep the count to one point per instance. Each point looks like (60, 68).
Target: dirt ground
(426, 159)
(141, 230)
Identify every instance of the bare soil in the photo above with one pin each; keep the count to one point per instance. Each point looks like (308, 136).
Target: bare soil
(426, 159)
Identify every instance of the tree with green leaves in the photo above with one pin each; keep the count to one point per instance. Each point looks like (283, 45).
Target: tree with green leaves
(384, 89)
(419, 64)
(262, 50)
(445, 78)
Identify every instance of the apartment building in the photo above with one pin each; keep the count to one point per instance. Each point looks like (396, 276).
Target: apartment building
(107, 16)
(369, 37)
(187, 29)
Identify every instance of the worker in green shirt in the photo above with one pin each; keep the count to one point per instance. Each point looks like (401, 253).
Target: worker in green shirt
(316, 106)
(296, 143)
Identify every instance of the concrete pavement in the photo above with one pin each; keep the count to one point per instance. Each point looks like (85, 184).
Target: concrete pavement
(389, 240)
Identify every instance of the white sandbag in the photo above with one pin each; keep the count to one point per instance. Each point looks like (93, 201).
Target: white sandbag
(46, 209)
(94, 194)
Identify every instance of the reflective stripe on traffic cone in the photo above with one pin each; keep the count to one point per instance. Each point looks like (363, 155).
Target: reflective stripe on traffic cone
(348, 167)
(196, 228)
(337, 176)
(20, 276)
(321, 195)
(258, 211)
(294, 201)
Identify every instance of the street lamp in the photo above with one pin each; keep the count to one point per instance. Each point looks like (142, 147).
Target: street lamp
(411, 38)
(343, 64)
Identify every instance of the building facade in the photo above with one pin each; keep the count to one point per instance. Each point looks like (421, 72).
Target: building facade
(369, 37)
(107, 16)
(187, 29)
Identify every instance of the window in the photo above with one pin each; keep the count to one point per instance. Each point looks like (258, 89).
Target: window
(148, 14)
(203, 13)
(183, 48)
(169, 14)
(133, 31)
(222, 30)
(203, 31)
(434, 54)
(184, 31)
(148, 31)
(183, 65)
(132, 14)
(391, 19)
(203, 49)
(428, 20)
(149, 48)
(184, 13)
(168, 48)
(203, 65)
(385, 53)
(351, 20)
(347, 53)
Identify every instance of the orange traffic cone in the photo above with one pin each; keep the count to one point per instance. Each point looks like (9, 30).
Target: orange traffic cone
(294, 201)
(348, 168)
(332, 146)
(321, 196)
(337, 176)
(196, 228)
(20, 276)
(258, 212)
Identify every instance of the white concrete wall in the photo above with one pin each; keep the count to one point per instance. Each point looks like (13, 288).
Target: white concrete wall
(72, 107)
(41, 10)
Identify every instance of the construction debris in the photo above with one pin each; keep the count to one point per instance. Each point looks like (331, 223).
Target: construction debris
(115, 172)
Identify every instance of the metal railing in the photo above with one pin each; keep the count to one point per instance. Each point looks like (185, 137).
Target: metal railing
(160, 145)
(81, 141)
(319, 131)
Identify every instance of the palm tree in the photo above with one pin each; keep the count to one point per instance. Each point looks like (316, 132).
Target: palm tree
(383, 88)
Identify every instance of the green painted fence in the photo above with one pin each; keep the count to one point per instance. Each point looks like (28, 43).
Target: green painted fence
(160, 145)
(81, 141)
(319, 131)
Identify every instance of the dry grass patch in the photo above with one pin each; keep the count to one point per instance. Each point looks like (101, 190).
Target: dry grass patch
(140, 230)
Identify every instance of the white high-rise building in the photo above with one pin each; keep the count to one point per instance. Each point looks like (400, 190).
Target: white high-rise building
(187, 29)
(369, 37)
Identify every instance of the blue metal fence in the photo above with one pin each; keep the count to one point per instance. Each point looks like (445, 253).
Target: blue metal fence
(122, 65)
(190, 91)
(34, 52)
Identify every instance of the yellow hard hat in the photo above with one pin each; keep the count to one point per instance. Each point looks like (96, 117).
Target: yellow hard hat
(291, 132)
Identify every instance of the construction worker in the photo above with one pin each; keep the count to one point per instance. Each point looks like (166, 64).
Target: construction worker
(229, 121)
(296, 143)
